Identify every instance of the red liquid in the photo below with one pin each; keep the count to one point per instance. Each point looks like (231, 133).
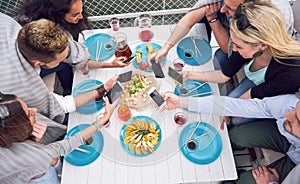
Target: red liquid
(146, 35)
(180, 120)
(178, 66)
(124, 51)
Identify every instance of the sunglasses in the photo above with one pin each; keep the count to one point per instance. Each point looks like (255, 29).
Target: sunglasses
(242, 22)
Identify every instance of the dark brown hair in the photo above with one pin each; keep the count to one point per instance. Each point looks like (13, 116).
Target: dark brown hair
(15, 125)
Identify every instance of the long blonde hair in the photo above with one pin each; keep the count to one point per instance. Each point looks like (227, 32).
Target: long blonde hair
(268, 27)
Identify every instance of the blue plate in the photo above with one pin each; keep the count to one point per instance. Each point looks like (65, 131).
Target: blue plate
(208, 148)
(93, 106)
(78, 158)
(188, 53)
(123, 130)
(145, 54)
(187, 89)
(102, 40)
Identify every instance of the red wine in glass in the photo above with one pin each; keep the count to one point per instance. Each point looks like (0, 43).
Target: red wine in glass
(178, 64)
(180, 118)
(146, 35)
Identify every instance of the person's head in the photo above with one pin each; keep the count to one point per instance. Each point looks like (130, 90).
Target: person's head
(70, 14)
(259, 27)
(292, 123)
(74, 15)
(16, 120)
(230, 6)
(43, 43)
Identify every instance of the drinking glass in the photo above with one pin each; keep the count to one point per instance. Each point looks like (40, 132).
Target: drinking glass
(178, 64)
(114, 23)
(124, 112)
(82, 68)
(180, 118)
(144, 21)
(122, 48)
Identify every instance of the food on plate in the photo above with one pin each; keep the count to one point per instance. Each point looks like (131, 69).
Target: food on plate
(138, 56)
(141, 136)
(136, 90)
(143, 66)
(149, 47)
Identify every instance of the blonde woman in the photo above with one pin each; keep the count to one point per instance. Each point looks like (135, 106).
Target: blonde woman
(262, 44)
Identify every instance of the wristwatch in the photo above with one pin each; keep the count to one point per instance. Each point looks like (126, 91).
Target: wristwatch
(213, 20)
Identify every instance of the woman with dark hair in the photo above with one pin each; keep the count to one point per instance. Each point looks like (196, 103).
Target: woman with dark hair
(71, 15)
(26, 159)
(57, 11)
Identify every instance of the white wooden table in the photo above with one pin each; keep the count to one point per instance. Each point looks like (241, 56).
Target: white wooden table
(167, 164)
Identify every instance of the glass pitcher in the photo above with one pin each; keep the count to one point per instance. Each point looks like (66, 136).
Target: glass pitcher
(144, 21)
(122, 48)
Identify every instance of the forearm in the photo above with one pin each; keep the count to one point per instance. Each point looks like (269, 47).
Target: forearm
(246, 95)
(102, 64)
(221, 35)
(96, 64)
(93, 128)
(209, 76)
(83, 99)
(184, 26)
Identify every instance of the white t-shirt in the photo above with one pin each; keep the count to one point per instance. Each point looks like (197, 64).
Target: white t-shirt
(67, 103)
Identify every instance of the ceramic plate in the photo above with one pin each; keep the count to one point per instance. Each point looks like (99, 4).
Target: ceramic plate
(208, 147)
(123, 131)
(193, 88)
(93, 44)
(93, 106)
(187, 51)
(79, 158)
(145, 54)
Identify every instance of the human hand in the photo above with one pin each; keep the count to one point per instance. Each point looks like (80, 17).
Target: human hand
(185, 75)
(224, 120)
(109, 109)
(211, 10)
(110, 83)
(118, 62)
(264, 175)
(39, 130)
(172, 101)
(158, 55)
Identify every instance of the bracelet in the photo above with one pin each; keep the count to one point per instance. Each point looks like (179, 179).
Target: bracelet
(97, 126)
(101, 91)
(213, 20)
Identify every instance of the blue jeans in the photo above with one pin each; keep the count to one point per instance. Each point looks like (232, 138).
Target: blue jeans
(220, 59)
(243, 86)
(50, 177)
(64, 73)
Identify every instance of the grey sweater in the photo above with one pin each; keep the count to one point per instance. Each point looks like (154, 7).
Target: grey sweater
(22, 161)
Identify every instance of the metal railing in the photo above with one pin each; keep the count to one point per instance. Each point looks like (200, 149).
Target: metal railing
(162, 11)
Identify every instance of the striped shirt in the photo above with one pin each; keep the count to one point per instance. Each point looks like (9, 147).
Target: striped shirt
(22, 161)
(18, 77)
